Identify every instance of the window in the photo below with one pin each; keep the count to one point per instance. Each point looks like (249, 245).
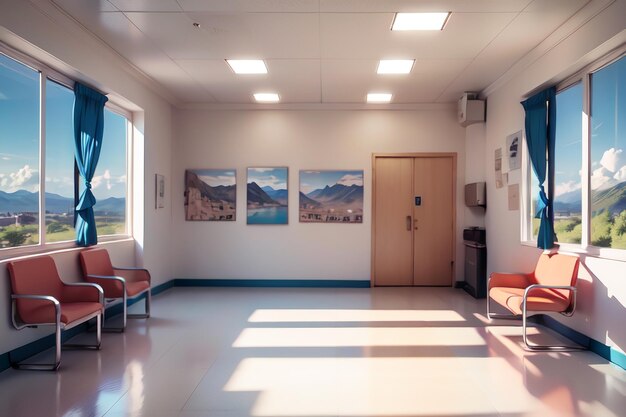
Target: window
(59, 163)
(608, 156)
(39, 182)
(109, 181)
(589, 191)
(19, 154)
(567, 165)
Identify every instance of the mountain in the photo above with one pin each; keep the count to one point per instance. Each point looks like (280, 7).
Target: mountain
(110, 205)
(257, 195)
(338, 194)
(612, 199)
(25, 201)
(308, 202)
(280, 195)
(221, 192)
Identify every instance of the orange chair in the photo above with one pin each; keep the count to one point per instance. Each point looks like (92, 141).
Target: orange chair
(551, 287)
(40, 298)
(117, 283)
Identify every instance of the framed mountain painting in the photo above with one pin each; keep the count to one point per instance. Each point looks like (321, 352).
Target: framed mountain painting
(331, 196)
(211, 194)
(267, 195)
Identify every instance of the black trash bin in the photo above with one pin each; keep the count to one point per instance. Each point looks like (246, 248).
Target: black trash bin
(474, 240)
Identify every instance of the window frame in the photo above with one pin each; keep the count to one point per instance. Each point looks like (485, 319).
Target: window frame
(584, 77)
(48, 73)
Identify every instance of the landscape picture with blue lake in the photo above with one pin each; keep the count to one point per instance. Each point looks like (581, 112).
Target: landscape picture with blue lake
(267, 196)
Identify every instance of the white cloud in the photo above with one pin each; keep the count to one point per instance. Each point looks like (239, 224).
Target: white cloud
(261, 169)
(602, 179)
(6, 158)
(351, 180)
(105, 179)
(24, 178)
(566, 187)
(312, 172)
(214, 181)
(620, 176)
(613, 159)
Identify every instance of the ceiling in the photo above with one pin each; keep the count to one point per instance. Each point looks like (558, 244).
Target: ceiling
(319, 51)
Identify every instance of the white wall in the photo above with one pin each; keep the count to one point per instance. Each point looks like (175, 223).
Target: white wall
(39, 29)
(300, 140)
(602, 289)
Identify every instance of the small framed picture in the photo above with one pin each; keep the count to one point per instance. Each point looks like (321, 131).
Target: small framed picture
(159, 191)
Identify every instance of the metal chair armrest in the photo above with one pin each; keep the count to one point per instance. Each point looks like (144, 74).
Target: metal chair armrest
(89, 284)
(54, 301)
(134, 269)
(571, 288)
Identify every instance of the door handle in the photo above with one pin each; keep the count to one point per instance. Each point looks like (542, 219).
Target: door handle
(415, 224)
(408, 223)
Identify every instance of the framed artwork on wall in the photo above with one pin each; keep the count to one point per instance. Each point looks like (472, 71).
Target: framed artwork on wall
(267, 195)
(211, 194)
(331, 196)
(159, 191)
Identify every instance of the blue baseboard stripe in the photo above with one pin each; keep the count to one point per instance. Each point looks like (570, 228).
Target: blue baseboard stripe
(272, 283)
(607, 352)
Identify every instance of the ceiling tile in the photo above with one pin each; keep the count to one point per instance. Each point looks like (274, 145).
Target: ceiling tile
(232, 35)
(377, 6)
(368, 36)
(297, 81)
(256, 6)
(348, 81)
(84, 7)
(146, 5)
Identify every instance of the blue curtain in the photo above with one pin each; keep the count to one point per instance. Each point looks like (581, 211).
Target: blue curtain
(88, 132)
(540, 131)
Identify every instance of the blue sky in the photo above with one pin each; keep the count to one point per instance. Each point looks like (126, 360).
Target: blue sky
(269, 177)
(608, 131)
(19, 138)
(311, 180)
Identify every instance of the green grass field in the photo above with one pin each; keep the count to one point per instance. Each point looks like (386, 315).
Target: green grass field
(56, 231)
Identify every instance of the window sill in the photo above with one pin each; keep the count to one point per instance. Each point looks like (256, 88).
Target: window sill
(52, 248)
(591, 251)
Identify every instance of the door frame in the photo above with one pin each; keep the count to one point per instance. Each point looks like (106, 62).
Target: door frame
(453, 156)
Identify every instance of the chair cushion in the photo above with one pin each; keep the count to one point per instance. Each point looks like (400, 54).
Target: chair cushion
(134, 288)
(37, 276)
(539, 300)
(556, 269)
(44, 312)
(96, 262)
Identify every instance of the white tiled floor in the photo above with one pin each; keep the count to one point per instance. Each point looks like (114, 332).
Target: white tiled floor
(234, 352)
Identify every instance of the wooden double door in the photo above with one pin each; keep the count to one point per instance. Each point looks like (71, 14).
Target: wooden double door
(413, 220)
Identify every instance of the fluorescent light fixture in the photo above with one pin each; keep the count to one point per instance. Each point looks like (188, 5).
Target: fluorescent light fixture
(420, 21)
(395, 66)
(379, 97)
(267, 97)
(247, 66)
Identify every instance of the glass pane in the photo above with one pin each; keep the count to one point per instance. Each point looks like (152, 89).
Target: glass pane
(608, 156)
(19, 154)
(59, 163)
(109, 181)
(534, 197)
(568, 162)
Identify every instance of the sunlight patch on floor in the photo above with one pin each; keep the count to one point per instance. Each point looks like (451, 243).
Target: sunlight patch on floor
(358, 336)
(348, 315)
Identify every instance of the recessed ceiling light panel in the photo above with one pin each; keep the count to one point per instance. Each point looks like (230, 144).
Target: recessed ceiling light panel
(379, 97)
(395, 66)
(420, 21)
(247, 66)
(267, 97)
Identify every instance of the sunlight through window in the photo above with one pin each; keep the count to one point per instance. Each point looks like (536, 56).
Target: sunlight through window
(330, 315)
